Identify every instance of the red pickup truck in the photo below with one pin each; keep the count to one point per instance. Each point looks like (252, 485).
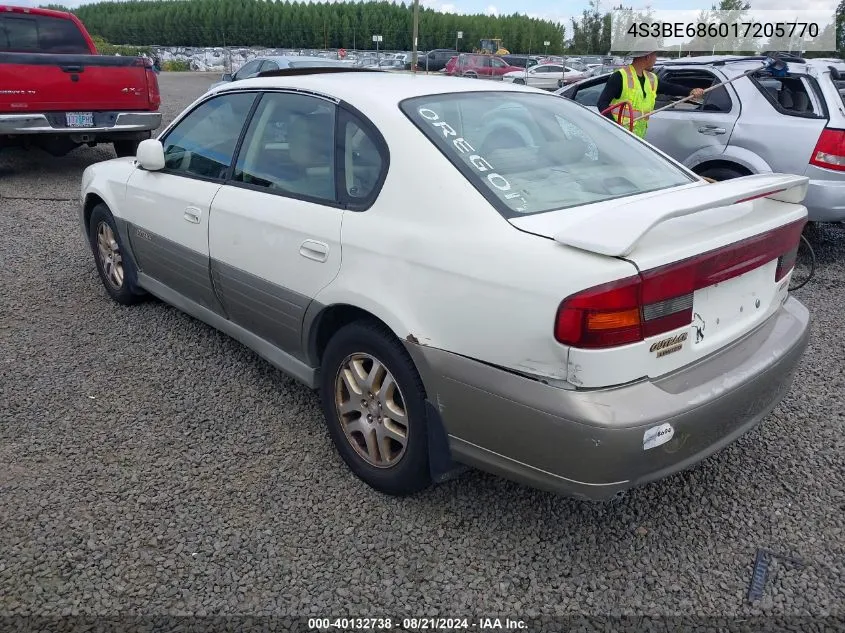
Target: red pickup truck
(58, 93)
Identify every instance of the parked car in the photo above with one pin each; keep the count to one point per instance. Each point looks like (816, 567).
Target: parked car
(545, 76)
(435, 60)
(523, 61)
(756, 125)
(276, 62)
(596, 316)
(479, 66)
(57, 93)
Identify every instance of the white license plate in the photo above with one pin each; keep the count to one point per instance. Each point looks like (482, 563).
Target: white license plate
(80, 119)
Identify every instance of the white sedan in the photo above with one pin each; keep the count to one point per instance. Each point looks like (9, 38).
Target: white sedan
(554, 301)
(545, 76)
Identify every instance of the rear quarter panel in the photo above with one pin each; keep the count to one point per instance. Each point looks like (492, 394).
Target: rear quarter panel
(784, 142)
(440, 266)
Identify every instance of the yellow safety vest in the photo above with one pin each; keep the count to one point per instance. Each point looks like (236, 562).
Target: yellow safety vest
(632, 92)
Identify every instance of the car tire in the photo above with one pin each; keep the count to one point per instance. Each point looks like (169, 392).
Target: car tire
(395, 468)
(116, 269)
(519, 81)
(126, 148)
(721, 173)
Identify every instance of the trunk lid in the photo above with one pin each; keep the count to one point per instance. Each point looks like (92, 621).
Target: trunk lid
(46, 82)
(714, 262)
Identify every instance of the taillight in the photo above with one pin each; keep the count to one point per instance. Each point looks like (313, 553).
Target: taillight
(153, 94)
(660, 300)
(830, 150)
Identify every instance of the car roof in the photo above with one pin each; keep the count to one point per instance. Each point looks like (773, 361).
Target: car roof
(285, 59)
(740, 63)
(375, 88)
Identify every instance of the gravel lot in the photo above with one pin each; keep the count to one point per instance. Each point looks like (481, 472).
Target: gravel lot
(151, 465)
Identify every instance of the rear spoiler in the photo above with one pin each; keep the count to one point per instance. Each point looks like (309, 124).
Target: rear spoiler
(633, 220)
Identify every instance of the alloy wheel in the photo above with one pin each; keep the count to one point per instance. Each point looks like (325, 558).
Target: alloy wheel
(371, 410)
(110, 257)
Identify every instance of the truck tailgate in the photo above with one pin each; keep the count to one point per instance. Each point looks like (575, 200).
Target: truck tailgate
(38, 82)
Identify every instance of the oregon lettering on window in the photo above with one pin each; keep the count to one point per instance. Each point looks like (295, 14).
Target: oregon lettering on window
(481, 164)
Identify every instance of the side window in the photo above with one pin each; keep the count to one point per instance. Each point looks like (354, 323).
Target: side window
(289, 147)
(248, 70)
(203, 143)
(718, 100)
(589, 95)
(794, 95)
(268, 65)
(364, 160)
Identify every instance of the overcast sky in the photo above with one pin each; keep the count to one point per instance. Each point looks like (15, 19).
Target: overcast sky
(557, 11)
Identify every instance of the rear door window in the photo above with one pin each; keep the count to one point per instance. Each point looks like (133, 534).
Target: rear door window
(793, 95)
(41, 34)
(840, 87)
(718, 100)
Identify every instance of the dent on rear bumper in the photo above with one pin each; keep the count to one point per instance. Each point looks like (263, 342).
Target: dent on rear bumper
(590, 443)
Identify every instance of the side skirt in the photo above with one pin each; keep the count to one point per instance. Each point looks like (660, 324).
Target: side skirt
(272, 354)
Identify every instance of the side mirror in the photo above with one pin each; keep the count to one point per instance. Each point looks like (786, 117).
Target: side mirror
(834, 73)
(150, 154)
(226, 77)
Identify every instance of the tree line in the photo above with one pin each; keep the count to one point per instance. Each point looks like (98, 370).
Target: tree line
(352, 25)
(278, 24)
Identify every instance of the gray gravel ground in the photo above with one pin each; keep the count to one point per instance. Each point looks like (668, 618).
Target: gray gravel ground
(149, 464)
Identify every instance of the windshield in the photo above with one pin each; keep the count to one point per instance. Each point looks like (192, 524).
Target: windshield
(530, 153)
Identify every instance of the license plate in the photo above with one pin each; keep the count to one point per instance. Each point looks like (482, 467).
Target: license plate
(80, 119)
(724, 310)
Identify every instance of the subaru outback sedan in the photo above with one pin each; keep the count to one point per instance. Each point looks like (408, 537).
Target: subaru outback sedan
(556, 302)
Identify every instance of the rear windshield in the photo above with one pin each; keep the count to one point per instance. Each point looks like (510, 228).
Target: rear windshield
(530, 153)
(41, 34)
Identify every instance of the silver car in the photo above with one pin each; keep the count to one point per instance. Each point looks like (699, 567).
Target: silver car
(264, 64)
(759, 124)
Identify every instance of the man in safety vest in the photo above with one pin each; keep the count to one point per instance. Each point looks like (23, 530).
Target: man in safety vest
(639, 86)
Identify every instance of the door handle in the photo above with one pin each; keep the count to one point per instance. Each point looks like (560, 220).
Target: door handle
(318, 251)
(192, 215)
(711, 130)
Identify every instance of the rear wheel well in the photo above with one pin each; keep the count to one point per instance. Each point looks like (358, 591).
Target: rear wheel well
(330, 320)
(721, 164)
(91, 201)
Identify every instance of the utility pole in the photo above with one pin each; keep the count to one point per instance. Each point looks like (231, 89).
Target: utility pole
(416, 34)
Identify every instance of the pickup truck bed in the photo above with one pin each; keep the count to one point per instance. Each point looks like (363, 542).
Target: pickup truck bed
(57, 93)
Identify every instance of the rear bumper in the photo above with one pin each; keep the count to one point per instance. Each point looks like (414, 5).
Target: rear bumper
(105, 123)
(590, 444)
(825, 200)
